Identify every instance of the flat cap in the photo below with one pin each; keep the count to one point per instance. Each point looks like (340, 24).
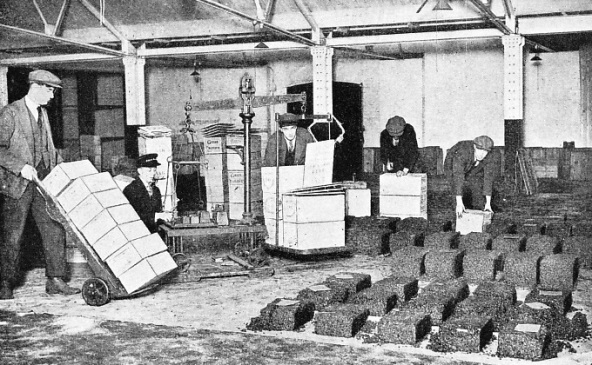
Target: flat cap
(396, 126)
(45, 78)
(483, 143)
(148, 160)
(288, 119)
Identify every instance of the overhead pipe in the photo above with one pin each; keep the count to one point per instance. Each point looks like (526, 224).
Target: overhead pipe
(256, 21)
(64, 40)
(61, 16)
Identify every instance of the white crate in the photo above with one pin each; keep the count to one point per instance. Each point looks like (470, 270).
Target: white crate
(305, 236)
(272, 225)
(137, 277)
(162, 263)
(270, 205)
(473, 221)
(65, 172)
(236, 193)
(357, 202)
(213, 145)
(149, 245)
(122, 181)
(291, 177)
(123, 213)
(99, 182)
(109, 243)
(85, 211)
(111, 198)
(134, 230)
(319, 163)
(410, 184)
(403, 206)
(313, 208)
(73, 195)
(123, 259)
(98, 227)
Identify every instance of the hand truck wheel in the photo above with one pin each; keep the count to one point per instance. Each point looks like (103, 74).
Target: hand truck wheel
(95, 292)
(182, 262)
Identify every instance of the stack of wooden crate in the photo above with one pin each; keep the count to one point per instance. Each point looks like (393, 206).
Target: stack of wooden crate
(97, 208)
(223, 170)
(404, 196)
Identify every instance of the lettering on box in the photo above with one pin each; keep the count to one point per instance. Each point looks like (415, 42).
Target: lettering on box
(123, 259)
(109, 243)
(98, 226)
(213, 145)
(73, 195)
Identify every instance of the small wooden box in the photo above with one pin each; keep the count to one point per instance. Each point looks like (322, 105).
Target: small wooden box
(122, 260)
(313, 208)
(111, 198)
(357, 202)
(99, 182)
(109, 243)
(403, 206)
(134, 230)
(473, 221)
(123, 213)
(73, 195)
(122, 181)
(85, 211)
(98, 227)
(137, 276)
(410, 184)
(271, 225)
(290, 178)
(65, 172)
(162, 263)
(149, 245)
(306, 236)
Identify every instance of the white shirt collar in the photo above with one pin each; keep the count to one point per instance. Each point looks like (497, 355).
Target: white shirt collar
(32, 106)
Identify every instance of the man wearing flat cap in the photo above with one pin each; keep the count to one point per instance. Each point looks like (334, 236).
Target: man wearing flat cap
(143, 194)
(398, 147)
(27, 155)
(470, 167)
(292, 143)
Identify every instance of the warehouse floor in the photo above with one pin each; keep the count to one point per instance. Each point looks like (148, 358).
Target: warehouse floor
(196, 322)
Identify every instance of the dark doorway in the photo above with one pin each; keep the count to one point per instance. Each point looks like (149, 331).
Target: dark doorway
(347, 108)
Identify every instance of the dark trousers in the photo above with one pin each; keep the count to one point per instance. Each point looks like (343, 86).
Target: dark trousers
(12, 221)
(472, 193)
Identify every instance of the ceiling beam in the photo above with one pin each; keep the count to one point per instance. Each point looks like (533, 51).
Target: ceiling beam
(125, 43)
(318, 35)
(492, 17)
(77, 57)
(64, 40)
(291, 35)
(269, 10)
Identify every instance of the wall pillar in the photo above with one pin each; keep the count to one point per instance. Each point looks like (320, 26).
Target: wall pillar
(135, 98)
(3, 86)
(586, 92)
(513, 99)
(322, 82)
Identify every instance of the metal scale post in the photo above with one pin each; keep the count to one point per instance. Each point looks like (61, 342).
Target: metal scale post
(247, 92)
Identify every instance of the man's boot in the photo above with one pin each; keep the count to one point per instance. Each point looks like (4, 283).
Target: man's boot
(56, 285)
(5, 290)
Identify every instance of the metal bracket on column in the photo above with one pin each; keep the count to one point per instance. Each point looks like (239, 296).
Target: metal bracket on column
(322, 82)
(513, 76)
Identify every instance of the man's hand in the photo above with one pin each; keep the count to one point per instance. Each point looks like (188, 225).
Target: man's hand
(488, 204)
(460, 207)
(389, 166)
(28, 172)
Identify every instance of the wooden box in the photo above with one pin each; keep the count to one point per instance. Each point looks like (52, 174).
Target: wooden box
(305, 236)
(403, 206)
(85, 211)
(65, 172)
(410, 184)
(272, 225)
(111, 198)
(149, 245)
(98, 227)
(134, 230)
(109, 243)
(99, 182)
(313, 208)
(290, 178)
(162, 263)
(123, 213)
(123, 259)
(73, 195)
(357, 202)
(137, 276)
(473, 221)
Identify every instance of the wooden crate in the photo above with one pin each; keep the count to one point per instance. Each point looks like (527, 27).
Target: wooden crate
(357, 202)
(404, 196)
(313, 208)
(473, 221)
(314, 235)
(290, 178)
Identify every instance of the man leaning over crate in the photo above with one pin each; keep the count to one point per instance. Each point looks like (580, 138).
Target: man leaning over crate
(470, 168)
(27, 153)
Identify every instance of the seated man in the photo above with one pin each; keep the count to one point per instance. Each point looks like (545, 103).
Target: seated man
(470, 167)
(398, 147)
(292, 143)
(143, 194)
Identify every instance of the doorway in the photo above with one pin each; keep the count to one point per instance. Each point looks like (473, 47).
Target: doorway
(347, 108)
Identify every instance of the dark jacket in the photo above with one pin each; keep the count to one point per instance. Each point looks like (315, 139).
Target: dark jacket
(404, 154)
(145, 205)
(459, 166)
(303, 137)
(17, 147)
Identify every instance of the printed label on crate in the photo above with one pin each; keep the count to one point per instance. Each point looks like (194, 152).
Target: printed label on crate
(551, 293)
(537, 305)
(123, 259)
(98, 227)
(213, 145)
(109, 243)
(286, 303)
(319, 163)
(319, 288)
(528, 327)
(73, 195)
(291, 177)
